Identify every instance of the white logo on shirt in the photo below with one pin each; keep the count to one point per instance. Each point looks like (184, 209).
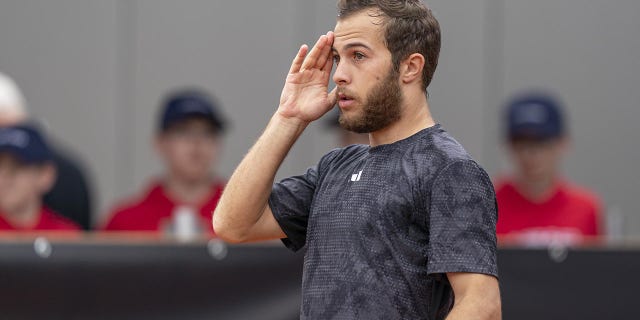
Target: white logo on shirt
(356, 176)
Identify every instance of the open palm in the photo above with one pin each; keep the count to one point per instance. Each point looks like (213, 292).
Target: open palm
(305, 95)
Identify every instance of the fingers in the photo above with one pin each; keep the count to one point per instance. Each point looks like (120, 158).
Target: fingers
(326, 53)
(318, 54)
(332, 96)
(297, 61)
(327, 63)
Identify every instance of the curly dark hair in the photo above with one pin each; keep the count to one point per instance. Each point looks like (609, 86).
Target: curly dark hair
(409, 27)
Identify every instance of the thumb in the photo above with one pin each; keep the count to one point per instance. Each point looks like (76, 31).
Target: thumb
(332, 97)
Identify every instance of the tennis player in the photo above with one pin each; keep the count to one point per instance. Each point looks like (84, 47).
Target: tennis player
(402, 228)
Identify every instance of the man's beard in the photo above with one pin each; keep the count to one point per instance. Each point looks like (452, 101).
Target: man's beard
(380, 109)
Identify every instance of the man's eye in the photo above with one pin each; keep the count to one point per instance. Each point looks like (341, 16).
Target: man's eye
(358, 56)
(336, 59)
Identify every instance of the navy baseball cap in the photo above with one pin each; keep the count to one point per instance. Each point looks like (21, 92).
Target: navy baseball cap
(25, 143)
(536, 116)
(187, 104)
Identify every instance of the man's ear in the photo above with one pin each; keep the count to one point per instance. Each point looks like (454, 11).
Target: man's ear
(411, 68)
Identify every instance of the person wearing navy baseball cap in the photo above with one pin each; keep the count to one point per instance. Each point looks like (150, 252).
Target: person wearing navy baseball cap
(27, 172)
(71, 195)
(537, 117)
(190, 104)
(537, 205)
(188, 140)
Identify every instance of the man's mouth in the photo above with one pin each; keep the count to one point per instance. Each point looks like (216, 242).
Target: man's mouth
(343, 96)
(345, 100)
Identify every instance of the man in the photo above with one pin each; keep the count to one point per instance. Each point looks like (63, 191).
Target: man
(537, 206)
(27, 172)
(70, 195)
(344, 137)
(387, 226)
(189, 142)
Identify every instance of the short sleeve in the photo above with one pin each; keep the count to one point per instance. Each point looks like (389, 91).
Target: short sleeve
(462, 221)
(290, 202)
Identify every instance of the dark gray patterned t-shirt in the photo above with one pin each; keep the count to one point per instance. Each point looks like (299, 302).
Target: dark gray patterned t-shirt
(382, 225)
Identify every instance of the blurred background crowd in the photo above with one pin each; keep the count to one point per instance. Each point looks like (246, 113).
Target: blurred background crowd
(136, 111)
(120, 118)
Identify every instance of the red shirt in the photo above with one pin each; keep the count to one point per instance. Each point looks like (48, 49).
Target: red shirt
(155, 210)
(49, 221)
(566, 216)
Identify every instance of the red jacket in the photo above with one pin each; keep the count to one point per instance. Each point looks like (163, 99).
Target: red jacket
(48, 221)
(567, 215)
(154, 211)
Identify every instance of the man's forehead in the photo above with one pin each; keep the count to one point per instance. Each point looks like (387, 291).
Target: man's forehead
(364, 25)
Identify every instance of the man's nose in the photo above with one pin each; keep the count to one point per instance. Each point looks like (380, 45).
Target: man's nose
(341, 74)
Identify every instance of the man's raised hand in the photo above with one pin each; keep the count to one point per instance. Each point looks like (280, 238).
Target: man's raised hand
(305, 96)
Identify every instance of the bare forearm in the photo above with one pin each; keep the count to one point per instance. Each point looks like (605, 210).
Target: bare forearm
(242, 213)
(478, 311)
(248, 189)
(477, 296)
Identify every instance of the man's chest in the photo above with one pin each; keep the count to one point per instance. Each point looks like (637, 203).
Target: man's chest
(366, 196)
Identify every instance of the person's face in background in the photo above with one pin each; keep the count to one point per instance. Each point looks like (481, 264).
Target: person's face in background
(6, 121)
(11, 116)
(368, 94)
(22, 186)
(537, 160)
(190, 149)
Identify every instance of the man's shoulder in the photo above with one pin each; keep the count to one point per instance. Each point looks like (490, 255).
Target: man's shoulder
(447, 147)
(344, 154)
(438, 151)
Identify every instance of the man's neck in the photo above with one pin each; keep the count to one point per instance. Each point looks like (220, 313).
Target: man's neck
(415, 116)
(188, 191)
(26, 216)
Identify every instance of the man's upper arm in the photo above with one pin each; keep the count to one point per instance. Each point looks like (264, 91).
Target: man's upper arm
(464, 284)
(267, 227)
(476, 295)
(462, 221)
(289, 207)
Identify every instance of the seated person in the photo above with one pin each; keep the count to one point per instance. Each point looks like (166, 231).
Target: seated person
(536, 206)
(188, 140)
(27, 172)
(70, 195)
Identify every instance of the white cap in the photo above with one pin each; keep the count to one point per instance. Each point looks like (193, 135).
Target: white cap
(12, 103)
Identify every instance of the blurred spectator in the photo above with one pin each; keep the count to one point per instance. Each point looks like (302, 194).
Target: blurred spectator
(27, 172)
(536, 206)
(70, 195)
(345, 137)
(188, 140)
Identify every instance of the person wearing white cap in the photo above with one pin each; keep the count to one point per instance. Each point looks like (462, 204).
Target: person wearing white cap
(12, 103)
(70, 195)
